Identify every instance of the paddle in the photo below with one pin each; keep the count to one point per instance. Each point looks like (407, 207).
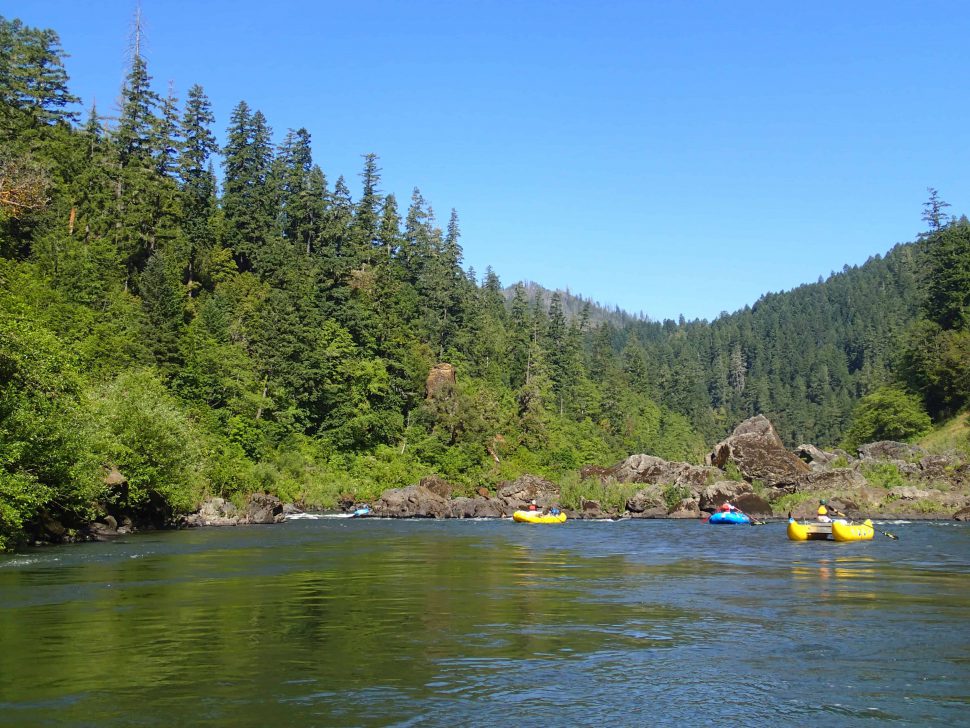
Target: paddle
(753, 521)
(837, 512)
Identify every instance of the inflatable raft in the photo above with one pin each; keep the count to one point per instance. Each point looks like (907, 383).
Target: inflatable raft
(538, 517)
(729, 517)
(836, 530)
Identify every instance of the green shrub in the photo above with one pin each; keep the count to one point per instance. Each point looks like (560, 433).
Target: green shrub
(611, 496)
(887, 414)
(46, 463)
(732, 472)
(148, 437)
(886, 475)
(789, 501)
(674, 494)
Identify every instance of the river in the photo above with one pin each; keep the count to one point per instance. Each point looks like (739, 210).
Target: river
(366, 622)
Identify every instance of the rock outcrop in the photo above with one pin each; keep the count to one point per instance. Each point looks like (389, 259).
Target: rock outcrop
(650, 469)
(889, 450)
(520, 492)
(759, 454)
(441, 381)
(264, 508)
(647, 503)
(414, 501)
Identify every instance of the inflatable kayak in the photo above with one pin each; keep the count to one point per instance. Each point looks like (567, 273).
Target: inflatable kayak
(836, 530)
(729, 517)
(538, 517)
(361, 512)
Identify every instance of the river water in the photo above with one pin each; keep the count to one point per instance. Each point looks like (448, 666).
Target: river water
(365, 622)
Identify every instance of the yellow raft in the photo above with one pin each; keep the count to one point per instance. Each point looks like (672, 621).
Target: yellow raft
(538, 517)
(838, 530)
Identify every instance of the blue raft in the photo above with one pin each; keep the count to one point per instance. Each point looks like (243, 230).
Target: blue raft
(729, 517)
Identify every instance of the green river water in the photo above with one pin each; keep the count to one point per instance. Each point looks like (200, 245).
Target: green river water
(365, 622)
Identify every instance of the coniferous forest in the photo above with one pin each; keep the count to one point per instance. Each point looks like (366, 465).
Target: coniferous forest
(216, 320)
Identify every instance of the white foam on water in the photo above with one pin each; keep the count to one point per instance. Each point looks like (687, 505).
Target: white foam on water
(24, 561)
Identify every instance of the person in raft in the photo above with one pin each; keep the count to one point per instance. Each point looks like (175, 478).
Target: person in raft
(532, 505)
(823, 513)
(728, 508)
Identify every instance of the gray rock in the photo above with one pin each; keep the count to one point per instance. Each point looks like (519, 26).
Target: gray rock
(264, 508)
(215, 512)
(477, 507)
(753, 504)
(890, 450)
(519, 492)
(687, 508)
(648, 503)
(814, 456)
(714, 495)
(759, 454)
(644, 468)
(414, 501)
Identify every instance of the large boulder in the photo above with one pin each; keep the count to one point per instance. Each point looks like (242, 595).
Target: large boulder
(650, 469)
(937, 467)
(818, 458)
(686, 508)
(214, 512)
(477, 507)
(414, 501)
(753, 504)
(521, 491)
(722, 491)
(963, 514)
(648, 503)
(592, 509)
(264, 508)
(759, 454)
(890, 450)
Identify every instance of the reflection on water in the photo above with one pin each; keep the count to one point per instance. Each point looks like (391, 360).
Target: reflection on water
(369, 622)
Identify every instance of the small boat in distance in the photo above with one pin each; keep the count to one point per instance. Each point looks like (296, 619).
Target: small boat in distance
(836, 530)
(538, 517)
(729, 517)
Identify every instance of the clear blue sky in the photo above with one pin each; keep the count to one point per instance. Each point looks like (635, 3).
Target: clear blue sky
(667, 157)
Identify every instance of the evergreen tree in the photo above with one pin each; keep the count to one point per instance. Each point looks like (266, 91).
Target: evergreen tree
(33, 79)
(198, 182)
(247, 198)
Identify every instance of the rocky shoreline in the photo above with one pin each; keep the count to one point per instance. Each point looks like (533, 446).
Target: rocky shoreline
(752, 469)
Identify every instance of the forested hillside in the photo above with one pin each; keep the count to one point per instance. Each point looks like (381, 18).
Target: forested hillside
(271, 328)
(269, 331)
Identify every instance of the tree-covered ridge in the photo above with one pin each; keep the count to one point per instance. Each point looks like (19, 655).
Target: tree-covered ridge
(271, 332)
(803, 357)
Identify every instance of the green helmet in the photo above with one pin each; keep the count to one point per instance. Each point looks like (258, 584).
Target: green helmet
(823, 501)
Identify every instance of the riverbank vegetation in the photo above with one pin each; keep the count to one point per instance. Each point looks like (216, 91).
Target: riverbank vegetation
(269, 329)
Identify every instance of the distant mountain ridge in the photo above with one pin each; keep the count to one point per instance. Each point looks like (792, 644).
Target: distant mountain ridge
(573, 305)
